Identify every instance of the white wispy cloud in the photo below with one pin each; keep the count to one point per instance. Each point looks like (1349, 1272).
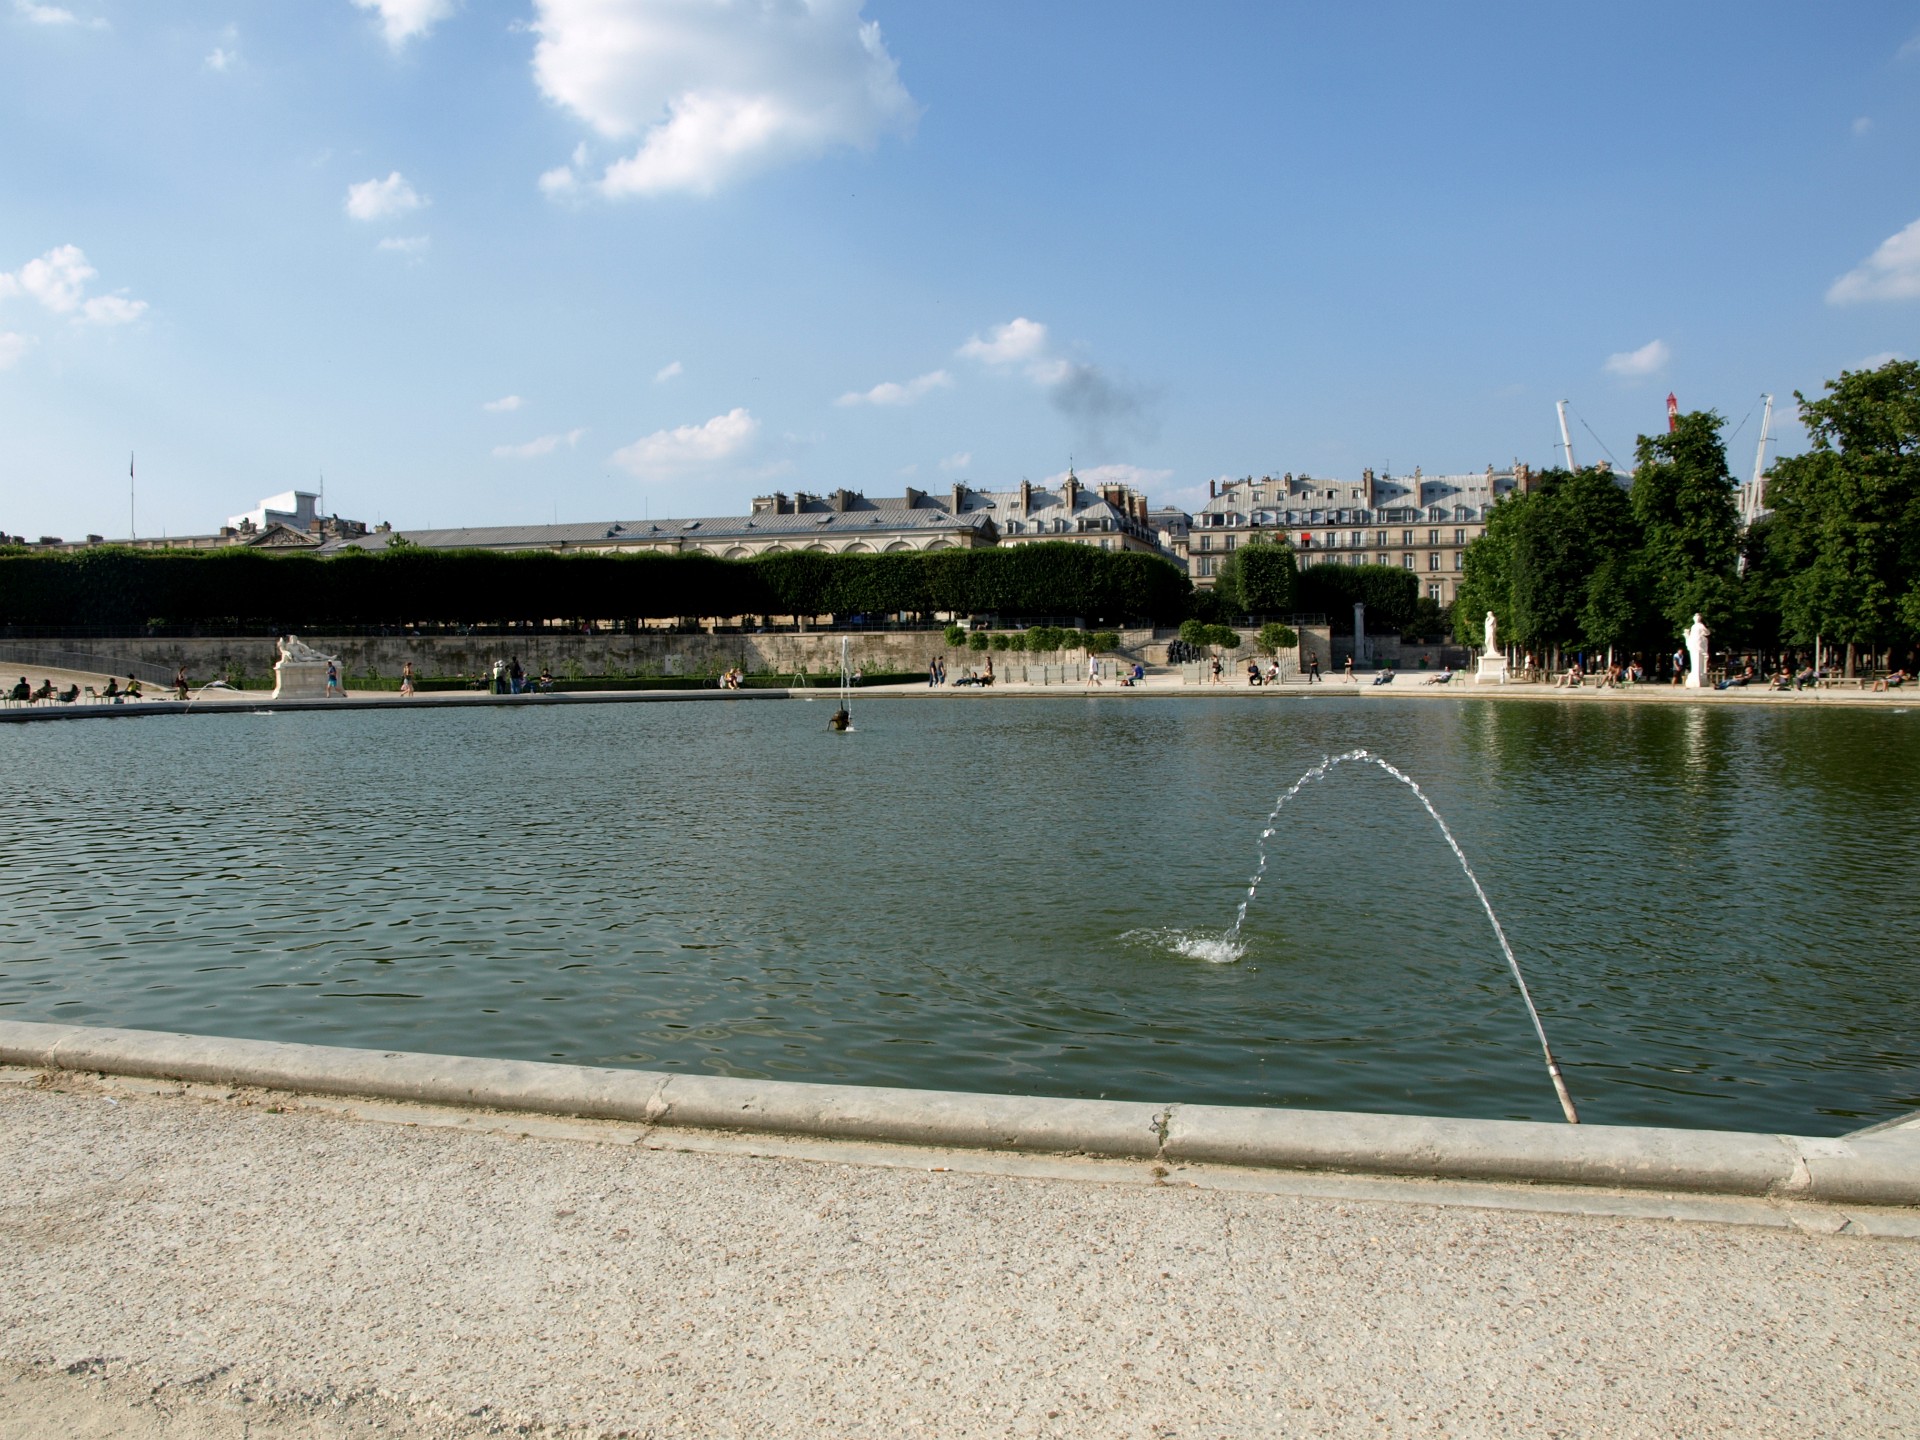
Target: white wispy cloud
(404, 20)
(1908, 50)
(377, 199)
(1892, 272)
(894, 392)
(112, 310)
(58, 281)
(715, 92)
(1099, 405)
(688, 447)
(36, 14)
(503, 404)
(534, 449)
(1019, 340)
(221, 59)
(414, 247)
(1137, 476)
(668, 371)
(959, 460)
(1637, 364)
(1862, 124)
(1874, 362)
(13, 345)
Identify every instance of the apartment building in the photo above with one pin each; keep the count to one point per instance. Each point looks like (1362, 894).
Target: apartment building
(1422, 523)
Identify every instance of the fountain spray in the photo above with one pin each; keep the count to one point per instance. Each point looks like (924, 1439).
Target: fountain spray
(1513, 964)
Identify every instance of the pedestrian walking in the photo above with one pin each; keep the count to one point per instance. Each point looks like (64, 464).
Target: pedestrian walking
(333, 678)
(1313, 666)
(406, 678)
(1349, 667)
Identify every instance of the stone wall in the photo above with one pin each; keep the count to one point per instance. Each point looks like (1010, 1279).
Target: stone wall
(652, 653)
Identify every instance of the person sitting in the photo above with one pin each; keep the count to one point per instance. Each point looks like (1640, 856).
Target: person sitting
(1892, 680)
(1445, 676)
(22, 691)
(546, 679)
(70, 694)
(1253, 672)
(1806, 678)
(133, 688)
(112, 692)
(1737, 682)
(45, 692)
(1385, 677)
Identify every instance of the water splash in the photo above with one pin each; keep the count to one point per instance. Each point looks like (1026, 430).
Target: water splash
(1232, 938)
(1206, 945)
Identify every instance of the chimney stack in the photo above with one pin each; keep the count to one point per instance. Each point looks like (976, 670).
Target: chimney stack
(959, 495)
(1026, 497)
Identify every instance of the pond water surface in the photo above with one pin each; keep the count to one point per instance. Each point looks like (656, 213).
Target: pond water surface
(1713, 904)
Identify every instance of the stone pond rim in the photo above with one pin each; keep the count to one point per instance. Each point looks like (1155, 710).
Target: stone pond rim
(1876, 1167)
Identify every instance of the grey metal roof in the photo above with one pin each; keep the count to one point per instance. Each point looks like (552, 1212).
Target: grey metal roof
(851, 524)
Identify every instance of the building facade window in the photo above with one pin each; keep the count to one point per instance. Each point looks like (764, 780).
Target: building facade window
(1433, 537)
(1433, 560)
(1206, 543)
(1459, 559)
(1406, 538)
(1382, 559)
(1433, 593)
(1407, 560)
(1380, 539)
(1459, 537)
(1230, 542)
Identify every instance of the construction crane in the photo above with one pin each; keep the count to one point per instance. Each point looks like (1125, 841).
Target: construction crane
(1753, 495)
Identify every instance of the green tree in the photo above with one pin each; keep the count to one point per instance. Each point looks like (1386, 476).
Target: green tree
(1689, 521)
(1846, 529)
(1571, 546)
(1486, 580)
(1275, 637)
(1258, 578)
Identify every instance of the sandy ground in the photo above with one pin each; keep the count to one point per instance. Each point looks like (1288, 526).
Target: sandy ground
(181, 1266)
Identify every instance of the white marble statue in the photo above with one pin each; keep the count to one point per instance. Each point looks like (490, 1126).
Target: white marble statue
(292, 647)
(1492, 646)
(1697, 653)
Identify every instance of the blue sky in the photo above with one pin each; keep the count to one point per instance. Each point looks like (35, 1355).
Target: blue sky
(500, 262)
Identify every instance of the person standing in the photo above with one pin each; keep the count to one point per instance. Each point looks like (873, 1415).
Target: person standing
(406, 679)
(1313, 666)
(180, 683)
(1093, 670)
(933, 672)
(333, 678)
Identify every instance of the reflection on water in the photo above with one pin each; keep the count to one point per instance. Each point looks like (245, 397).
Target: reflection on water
(1710, 903)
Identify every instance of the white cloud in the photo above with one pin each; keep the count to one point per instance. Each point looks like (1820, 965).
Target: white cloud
(35, 14)
(58, 280)
(1874, 362)
(534, 449)
(402, 20)
(1138, 477)
(893, 392)
(671, 452)
(1891, 273)
(1637, 364)
(1862, 125)
(1908, 50)
(716, 91)
(957, 461)
(1098, 405)
(414, 247)
(112, 310)
(222, 59)
(377, 199)
(13, 345)
(1009, 344)
(503, 404)
(668, 371)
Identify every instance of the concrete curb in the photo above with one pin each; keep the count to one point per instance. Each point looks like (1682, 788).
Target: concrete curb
(1882, 1168)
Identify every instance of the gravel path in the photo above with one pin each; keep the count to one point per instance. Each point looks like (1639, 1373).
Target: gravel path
(186, 1269)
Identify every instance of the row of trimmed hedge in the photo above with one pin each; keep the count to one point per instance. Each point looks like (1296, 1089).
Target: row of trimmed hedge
(118, 586)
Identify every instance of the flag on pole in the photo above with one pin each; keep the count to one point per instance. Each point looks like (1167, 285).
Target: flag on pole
(1673, 413)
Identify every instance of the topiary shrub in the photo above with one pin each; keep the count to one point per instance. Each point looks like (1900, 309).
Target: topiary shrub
(956, 636)
(977, 641)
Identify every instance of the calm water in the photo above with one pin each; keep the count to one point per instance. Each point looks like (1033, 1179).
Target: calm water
(1714, 905)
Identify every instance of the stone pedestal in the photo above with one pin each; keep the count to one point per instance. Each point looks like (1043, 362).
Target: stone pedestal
(300, 680)
(1492, 671)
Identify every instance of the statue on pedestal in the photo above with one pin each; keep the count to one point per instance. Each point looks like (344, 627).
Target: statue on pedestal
(301, 671)
(1696, 637)
(1492, 646)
